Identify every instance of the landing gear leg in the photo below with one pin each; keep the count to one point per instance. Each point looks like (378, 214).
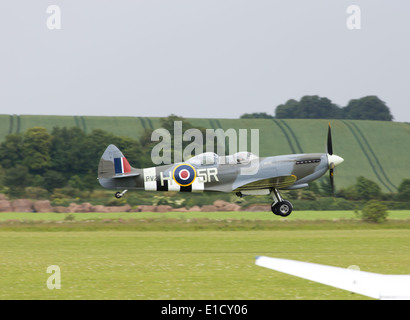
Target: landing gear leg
(279, 206)
(119, 195)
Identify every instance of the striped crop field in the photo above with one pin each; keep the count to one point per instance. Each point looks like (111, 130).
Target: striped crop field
(377, 150)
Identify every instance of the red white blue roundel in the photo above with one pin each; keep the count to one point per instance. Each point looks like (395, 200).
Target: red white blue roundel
(184, 175)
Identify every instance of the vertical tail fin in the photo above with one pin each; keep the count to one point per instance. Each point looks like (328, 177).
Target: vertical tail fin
(113, 164)
(121, 165)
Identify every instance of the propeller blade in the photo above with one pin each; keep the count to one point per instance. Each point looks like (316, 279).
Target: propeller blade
(331, 176)
(329, 141)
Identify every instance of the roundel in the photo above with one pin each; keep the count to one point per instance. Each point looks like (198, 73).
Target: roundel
(184, 175)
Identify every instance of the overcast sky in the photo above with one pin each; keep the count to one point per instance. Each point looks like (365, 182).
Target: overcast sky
(200, 58)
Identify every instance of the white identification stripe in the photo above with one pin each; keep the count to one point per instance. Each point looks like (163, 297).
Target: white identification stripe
(122, 165)
(198, 184)
(173, 186)
(149, 179)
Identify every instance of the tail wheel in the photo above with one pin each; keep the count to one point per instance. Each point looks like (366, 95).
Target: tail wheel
(283, 208)
(118, 194)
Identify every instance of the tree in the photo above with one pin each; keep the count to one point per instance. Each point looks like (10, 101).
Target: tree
(404, 190)
(131, 149)
(309, 107)
(146, 144)
(374, 211)
(289, 110)
(11, 151)
(53, 179)
(315, 107)
(367, 108)
(96, 142)
(367, 189)
(256, 115)
(68, 147)
(16, 179)
(325, 187)
(36, 149)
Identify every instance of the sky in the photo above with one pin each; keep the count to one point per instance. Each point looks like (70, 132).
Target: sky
(200, 58)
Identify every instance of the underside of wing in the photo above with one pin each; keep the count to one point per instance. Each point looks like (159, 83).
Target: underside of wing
(379, 286)
(274, 182)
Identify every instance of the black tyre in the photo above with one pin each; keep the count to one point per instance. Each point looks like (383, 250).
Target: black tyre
(118, 195)
(283, 208)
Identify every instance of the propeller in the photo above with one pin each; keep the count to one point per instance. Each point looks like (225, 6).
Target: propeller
(333, 160)
(331, 165)
(329, 141)
(331, 176)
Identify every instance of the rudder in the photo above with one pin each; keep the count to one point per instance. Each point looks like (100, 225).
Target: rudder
(113, 164)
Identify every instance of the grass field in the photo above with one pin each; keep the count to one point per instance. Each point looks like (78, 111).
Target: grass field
(123, 263)
(239, 215)
(189, 265)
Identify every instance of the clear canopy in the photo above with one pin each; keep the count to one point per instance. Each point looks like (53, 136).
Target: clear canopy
(204, 159)
(241, 157)
(210, 158)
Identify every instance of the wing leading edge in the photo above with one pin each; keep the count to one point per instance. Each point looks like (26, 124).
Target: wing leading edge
(374, 285)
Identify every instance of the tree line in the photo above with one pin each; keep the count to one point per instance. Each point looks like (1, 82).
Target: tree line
(64, 157)
(41, 162)
(315, 107)
(67, 157)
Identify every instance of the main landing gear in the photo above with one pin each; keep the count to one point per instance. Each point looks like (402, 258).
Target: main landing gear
(119, 195)
(279, 206)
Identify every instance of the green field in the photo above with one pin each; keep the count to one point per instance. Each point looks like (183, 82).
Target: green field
(239, 215)
(189, 265)
(373, 149)
(127, 262)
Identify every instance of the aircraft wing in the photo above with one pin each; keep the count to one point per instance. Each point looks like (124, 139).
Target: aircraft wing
(273, 182)
(378, 286)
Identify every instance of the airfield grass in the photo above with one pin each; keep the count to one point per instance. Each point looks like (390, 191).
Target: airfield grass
(210, 265)
(305, 215)
(173, 257)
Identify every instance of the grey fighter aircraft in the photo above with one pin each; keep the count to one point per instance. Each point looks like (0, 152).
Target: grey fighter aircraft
(243, 173)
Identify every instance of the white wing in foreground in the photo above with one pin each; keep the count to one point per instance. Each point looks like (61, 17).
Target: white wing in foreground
(378, 286)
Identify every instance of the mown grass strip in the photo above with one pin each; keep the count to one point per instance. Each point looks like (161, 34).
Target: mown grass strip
(363, 149)
(166, 225)
(374, 155)
(293, 135)
(286, 135)
(195, 224)
(309, 215)
(11, 124)
(83, 124)
(18, 123)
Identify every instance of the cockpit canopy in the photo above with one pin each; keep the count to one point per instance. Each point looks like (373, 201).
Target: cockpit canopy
(242, 157)
(203, 159)
(210, 158)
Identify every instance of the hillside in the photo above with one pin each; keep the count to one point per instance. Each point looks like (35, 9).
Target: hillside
(375, 149)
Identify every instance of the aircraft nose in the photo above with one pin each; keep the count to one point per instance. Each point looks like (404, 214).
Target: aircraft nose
(334, 160)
